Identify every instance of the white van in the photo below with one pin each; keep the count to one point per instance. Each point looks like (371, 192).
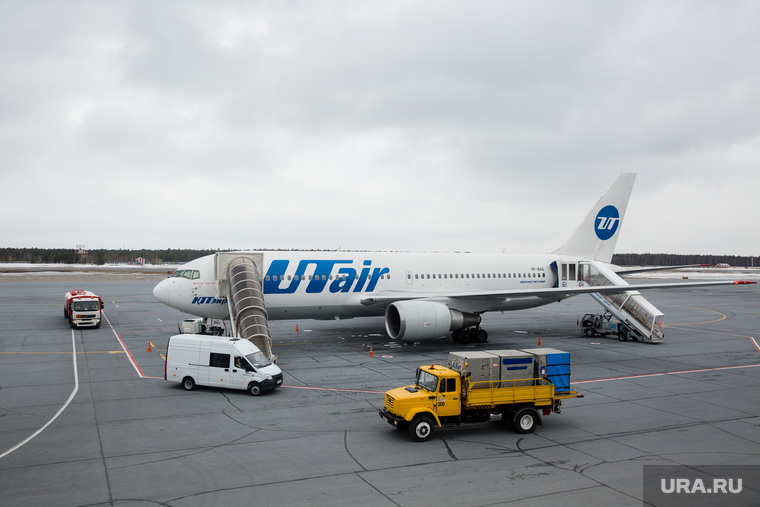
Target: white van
(217, 361)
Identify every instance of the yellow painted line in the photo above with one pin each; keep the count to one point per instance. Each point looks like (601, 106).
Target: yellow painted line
(163, 357)
(722, 317)
(114, 303)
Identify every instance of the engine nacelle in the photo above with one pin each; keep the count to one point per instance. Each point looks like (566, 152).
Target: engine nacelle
(419, 320)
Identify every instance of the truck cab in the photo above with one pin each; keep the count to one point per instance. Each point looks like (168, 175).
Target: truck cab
(435, 398)
(83, 309)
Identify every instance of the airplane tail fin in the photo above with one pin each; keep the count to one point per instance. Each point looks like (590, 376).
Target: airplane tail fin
(596, 236)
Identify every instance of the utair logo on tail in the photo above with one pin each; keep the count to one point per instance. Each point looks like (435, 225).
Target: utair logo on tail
(607, 221)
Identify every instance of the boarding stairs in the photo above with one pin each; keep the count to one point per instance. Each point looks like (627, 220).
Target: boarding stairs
(239, 279)
(630, 307)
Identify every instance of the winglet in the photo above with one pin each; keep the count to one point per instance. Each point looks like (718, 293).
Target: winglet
(596, 236)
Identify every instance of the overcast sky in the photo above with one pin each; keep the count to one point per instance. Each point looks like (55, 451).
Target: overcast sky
(393, 125)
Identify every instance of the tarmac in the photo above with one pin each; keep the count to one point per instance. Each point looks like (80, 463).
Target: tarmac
(87, 419)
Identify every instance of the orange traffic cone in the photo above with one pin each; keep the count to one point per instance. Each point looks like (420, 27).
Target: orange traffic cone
(539, 340)
(371, 354)
(149, 346)
(296, 327)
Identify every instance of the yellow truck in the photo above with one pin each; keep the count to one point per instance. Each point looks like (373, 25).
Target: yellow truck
(508, 385)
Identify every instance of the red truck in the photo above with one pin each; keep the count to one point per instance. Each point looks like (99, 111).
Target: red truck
(83, 308)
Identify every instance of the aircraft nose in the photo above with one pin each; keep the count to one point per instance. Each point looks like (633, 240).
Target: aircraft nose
(162, 291)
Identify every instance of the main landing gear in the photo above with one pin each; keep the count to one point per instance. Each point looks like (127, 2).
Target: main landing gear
(470, 335)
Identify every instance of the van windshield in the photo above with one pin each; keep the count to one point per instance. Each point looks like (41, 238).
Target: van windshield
(258, 360)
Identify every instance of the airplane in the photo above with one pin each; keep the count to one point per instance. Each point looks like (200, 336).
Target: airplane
(423, 295)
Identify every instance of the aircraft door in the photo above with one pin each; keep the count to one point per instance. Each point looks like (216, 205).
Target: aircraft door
(568, 274)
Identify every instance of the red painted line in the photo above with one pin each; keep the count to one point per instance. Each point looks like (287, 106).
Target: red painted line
(332, 389)
(126, 350)
(131, 357)
(666, 373)
(754, 343)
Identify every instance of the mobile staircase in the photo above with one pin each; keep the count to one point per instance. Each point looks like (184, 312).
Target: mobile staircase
(239, 279)
(642, 319)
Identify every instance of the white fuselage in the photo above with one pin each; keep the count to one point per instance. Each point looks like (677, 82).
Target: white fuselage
(332, 285)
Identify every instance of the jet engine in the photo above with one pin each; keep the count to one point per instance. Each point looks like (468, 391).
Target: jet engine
(418, 320)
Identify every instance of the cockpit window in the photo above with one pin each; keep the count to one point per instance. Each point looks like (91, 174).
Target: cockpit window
(190, 274)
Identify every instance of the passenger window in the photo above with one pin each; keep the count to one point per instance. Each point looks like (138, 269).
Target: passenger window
(219, 360)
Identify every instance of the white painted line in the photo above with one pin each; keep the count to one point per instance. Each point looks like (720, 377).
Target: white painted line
(126, 350)
(60, 410)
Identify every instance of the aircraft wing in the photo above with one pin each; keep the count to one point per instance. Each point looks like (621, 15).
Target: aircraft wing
(555, 293)
(629, 271)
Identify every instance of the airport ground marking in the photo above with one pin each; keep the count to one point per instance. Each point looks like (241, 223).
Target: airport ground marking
(60, 410)
(126, 350)
(77, 352)
(723, 317)
(663, 374)
(334, 389)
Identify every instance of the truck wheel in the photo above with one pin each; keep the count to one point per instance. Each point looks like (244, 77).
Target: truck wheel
(589, 332)
(254, 388)
(525, 421)
(421, 428)
(188, 383)
(622, 336)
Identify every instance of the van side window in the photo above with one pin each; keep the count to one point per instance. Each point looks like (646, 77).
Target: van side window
(449, 385)
(219, 360)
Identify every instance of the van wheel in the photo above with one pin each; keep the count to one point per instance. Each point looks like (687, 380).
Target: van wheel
(188, 383)
(421, 428)
(254, 388)
(525, 421)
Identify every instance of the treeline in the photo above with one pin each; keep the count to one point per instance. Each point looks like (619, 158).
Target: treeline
(661, 259)
(100, 257)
